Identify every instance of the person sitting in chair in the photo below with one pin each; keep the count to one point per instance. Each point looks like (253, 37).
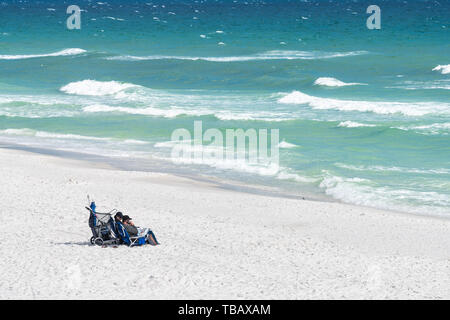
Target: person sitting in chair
(118, 216)
(134, 231)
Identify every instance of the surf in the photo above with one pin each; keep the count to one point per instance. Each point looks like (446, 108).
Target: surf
(379, 107)
(65, 52)
(268, 55)
(333, 82)
(96, 88)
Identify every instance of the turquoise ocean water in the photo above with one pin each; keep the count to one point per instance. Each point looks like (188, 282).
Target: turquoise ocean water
(364, 115)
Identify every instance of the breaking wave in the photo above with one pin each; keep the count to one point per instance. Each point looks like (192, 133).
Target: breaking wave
(269, 55)
(150, 111)
(444, 69)
(432, 129)
(96, 88)
(286, 145)
(333, 82)
(51, 135)
(443, 84)
(362, 192)
(380, 107)
(352, 124)
(65, 52)
(393, 169)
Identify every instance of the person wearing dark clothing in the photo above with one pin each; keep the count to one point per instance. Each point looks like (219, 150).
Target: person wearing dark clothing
(118, 216)
(135, 231)
(131, 229)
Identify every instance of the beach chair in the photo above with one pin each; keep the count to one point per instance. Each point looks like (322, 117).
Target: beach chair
(127, 239)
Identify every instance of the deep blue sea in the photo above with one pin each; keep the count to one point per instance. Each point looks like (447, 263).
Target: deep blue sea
(363, 115)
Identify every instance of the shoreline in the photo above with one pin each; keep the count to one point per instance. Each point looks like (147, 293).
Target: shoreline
(217, 181)
(227, 184)
(216, 243)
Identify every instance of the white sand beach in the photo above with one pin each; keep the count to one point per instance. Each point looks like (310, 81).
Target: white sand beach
(215, 243)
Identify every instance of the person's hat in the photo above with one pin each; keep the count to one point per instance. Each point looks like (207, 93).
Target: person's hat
(119, 215)
(126, 218)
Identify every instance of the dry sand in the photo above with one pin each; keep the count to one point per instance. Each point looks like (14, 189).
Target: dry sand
(216, 244)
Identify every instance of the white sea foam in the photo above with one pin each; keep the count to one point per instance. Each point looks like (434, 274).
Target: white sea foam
(333, 82)
(393, 169)
(150, 111)
(44, 134)
(266, 169)
(175, 112)
(444, 69)
(269, 55)
(44, 100)
(381, 107)
(96, 88)
(286, 175)
(423, 85)
(363, 192)
(262, 168)
(253, 116)
(65, 52)
(352, 124)
(286, 145)
(114, 18)
(19, 132)
(238, 165)
(38, 106)
(170, 144)
(435, 128)
(134, 141)
(52, 135)
(165, 104)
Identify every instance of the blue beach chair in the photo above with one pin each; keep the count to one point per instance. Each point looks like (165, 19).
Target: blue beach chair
(125, 237)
